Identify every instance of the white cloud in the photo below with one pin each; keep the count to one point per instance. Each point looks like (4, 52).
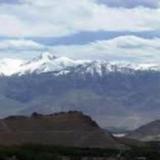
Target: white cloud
(64, 17)
(20, 48)
(21, 45)
(125, 48)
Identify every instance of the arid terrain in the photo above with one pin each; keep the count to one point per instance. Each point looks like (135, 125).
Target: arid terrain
(67, 136)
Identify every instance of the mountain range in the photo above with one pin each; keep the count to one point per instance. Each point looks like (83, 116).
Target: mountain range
(113, 93)
(47, 62)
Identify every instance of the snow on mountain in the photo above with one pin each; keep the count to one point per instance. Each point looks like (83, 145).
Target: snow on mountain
(9, 66)
(47, 62)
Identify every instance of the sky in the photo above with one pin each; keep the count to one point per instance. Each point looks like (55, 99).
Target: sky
(113, 30)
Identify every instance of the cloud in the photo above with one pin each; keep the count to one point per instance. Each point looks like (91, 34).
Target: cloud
(59, 18)
(123, 48)
(131, 3)
(20, 45)
(10, 1)
(20, 48)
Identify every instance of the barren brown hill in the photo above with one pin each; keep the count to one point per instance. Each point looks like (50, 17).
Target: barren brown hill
(66, 129)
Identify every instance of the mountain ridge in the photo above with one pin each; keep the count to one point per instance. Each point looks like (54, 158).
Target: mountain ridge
(47, 62)
(147, 132)
(72, 129)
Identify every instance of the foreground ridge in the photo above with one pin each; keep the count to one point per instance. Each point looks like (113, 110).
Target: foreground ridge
(66, 129)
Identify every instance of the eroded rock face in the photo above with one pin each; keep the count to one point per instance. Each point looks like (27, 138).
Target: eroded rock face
(66, 129)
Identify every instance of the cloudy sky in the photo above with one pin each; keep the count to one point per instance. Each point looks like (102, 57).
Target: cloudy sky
(116, 30)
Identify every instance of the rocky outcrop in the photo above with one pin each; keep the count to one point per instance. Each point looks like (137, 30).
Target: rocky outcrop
(66, 129)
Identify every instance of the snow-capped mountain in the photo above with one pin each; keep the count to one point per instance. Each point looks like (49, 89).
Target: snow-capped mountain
(47, 62)
(114, 92)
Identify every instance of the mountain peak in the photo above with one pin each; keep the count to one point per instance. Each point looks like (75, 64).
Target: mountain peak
(47, 56)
